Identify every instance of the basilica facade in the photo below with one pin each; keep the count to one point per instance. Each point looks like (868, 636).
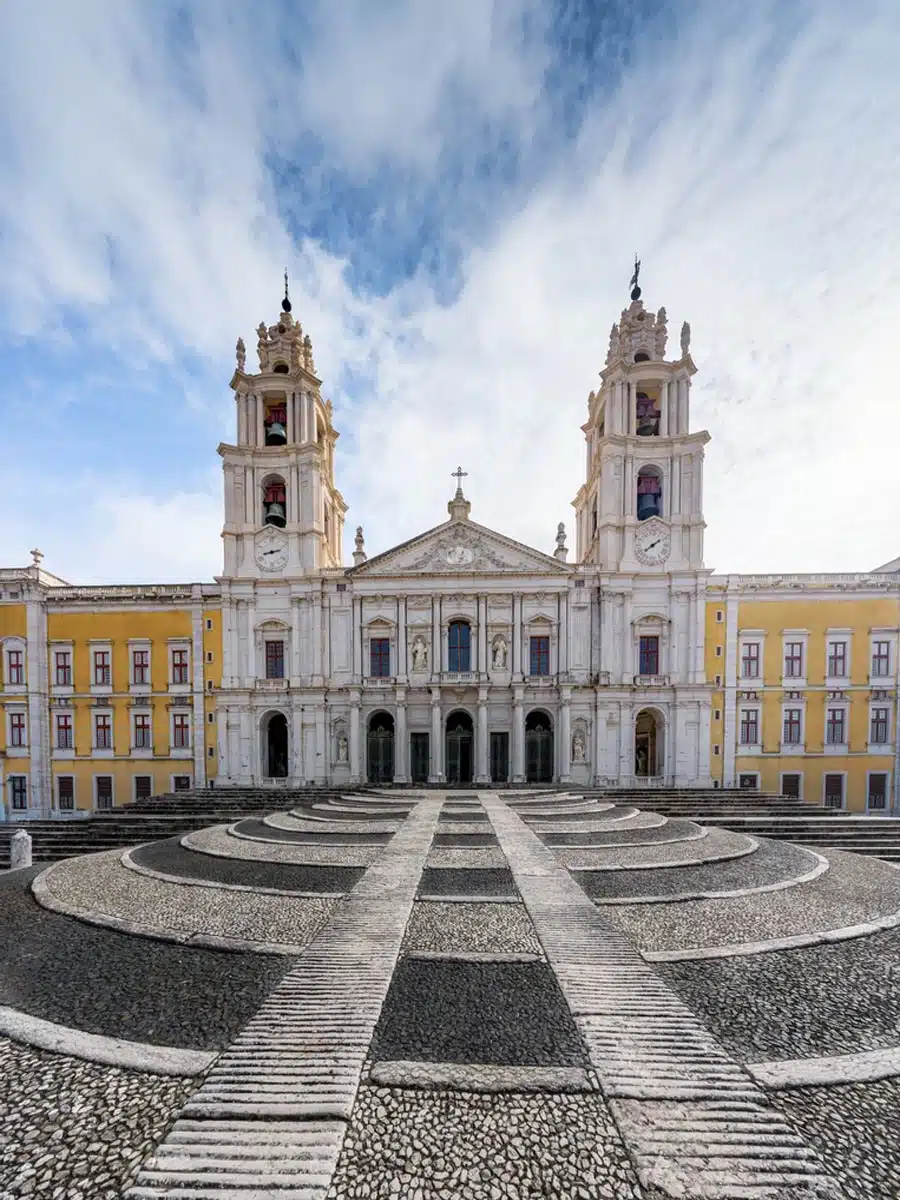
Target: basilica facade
(461, 655)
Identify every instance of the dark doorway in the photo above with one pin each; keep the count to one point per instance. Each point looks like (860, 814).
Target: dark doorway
(277, 746)
(460, 748)
(646, 745)
(380, 747)
(419, 757)
(538, 748)
(499, 757)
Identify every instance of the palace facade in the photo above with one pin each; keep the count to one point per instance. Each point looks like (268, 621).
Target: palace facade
(460, 655)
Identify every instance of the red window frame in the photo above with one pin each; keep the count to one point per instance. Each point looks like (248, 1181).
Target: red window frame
(65, 792)
(835, 727)
(102, 668)
(104, 791)
(539, 649)
(63, 660)
(881, 659)
(834, 790)
(876, 792)
(140, 666)
(793, 725)
(181, 731)
(15, 666)
(837, 659)
(64, 732)
(750, 726)
(878, 733)
(649, 655)
(103, 731)
(380, 658)
(180, 666)
(143, 731)
(793, 660)
(275, 660)
(17, 729)
(18, 792)
(750, 660)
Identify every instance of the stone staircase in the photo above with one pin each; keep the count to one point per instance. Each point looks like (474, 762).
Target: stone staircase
(155, 818)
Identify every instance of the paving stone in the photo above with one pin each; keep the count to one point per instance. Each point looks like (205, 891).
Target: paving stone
(171, 858)
(446, 881)
(497, 928)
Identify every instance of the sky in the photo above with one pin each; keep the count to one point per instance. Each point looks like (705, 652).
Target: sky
(458, 192)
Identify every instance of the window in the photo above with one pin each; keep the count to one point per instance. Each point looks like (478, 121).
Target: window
(834, 791)
(749, 781)
(878, 734)
(17, 729)
(104, 791)
(102, 671)
(63, 659)
(791, 785)
(181, 731)
(209, 656)
(143, 787)
(881, 658)
(380, 657)
(719, 615)
(65, 793)
(209, 626)
(649, 493)
(179, 666)
(750, 727)
(181, 783)
(211, 718)
(793, 720)
(18, 791)
(64, 737)
(750, 660)
(140, 666)
(274, 660)
(649, 656)
(143, 735)
(835, 727)
(211, 752)
(877, 790)
(459, 647)
(540, 655)
(103, 732)
(793, 660)
(837, 659)
(15, 666)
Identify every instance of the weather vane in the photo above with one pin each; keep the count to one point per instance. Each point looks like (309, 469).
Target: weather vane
(635, 289)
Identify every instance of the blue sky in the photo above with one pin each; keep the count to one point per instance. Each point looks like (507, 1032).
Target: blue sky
(457, 191)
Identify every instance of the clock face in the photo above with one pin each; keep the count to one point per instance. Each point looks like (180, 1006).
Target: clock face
(271, 550)
(459, 556)
(652, 543)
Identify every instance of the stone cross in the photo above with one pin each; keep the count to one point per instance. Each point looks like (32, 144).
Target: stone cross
(459, 475)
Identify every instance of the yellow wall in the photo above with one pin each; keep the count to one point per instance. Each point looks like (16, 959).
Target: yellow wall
(715, 665)
(13, 623)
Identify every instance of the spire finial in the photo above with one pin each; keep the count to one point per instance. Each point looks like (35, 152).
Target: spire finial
(286, 302)
(635, 289)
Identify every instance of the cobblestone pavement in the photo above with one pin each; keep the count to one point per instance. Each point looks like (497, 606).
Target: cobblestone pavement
(72, 1130)
(856, 1130)
(471, 927)
(171, 858)
(468, 881)
(466, 1146)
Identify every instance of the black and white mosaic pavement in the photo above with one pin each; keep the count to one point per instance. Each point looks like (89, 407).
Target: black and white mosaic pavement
(466, 881)
(479, 928)
(258, 829)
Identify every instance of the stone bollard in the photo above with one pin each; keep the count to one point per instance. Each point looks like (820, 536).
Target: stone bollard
(20, 850)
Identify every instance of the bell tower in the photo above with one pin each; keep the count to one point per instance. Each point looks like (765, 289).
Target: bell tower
(283, 514)
(640, 509)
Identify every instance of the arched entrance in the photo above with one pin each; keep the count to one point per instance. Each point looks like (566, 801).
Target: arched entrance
(538, 748)
(647, 745)
(380, 748)
(460, 748)
(276, 746)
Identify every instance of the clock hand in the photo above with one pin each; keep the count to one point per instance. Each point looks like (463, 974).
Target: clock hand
(652, 544)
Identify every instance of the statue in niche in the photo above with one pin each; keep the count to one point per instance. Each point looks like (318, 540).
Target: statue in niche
(498, 653)
(343, 748)
(579, 747)
(419, 653)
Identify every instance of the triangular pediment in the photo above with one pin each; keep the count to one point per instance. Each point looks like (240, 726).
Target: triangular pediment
(461, 548)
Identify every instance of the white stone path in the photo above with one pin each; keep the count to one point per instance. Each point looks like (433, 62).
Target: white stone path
(270, 1118)
(695, 1123)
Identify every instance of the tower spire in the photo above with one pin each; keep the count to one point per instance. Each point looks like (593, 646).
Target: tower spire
(286, 302)
(635, 287)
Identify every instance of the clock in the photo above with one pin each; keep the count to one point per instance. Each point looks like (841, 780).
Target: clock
(652, 543)
(271, 550)
(459, 556)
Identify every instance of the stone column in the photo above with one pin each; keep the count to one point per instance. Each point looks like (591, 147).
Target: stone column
(296, 767)
(357, 637)
(401, 738)
(251, 643)
(518, 738)
(223, 758)
(482, 766)
(289, 417)
(565, 736)
(626, 741)
(296, 668)
(249, 755)
(355, 775)
(562, 665)
(517, 637)
(437, 664)
(321, 741)
(436, 774)
(402, 664)
(317, 638)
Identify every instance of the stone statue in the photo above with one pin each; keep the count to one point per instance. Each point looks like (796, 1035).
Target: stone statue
(343, 748)
(308, 355)
(262, 346)
(498, 653)
(685, 339)
(579, 747)
(241, 354)
(419, 653)
(613, 343)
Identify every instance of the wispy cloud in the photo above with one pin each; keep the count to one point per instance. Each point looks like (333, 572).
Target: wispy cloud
(458, 195)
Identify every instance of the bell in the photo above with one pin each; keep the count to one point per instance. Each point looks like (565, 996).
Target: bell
(275, 515)
(275, 435)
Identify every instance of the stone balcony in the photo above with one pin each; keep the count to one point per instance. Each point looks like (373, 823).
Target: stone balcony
(271, 685)
(651, 680)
